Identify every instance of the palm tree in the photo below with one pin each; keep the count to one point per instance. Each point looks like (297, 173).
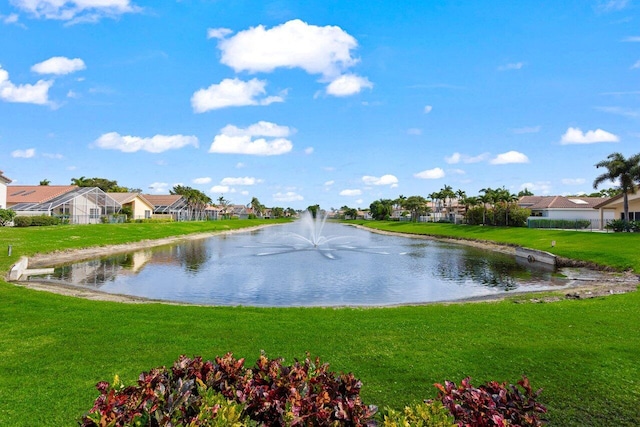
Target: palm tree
(489, 196)
(224, 205)
(625, 171)
(45, 182)
(447, 193)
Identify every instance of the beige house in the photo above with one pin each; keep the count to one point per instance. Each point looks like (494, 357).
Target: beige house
(615, 204)
(141, 208)
(3, 190)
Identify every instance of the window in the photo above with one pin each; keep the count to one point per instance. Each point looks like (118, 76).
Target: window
(147, 214)
(94, 213)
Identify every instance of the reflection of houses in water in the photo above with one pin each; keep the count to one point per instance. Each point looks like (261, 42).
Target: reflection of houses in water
(191, 255)
(99, 271)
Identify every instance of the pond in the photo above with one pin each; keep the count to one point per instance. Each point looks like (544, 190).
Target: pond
(286, 266)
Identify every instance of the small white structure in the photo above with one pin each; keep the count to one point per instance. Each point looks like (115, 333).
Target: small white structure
(3, 190)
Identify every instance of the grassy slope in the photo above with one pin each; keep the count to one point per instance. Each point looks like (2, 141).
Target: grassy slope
(53, 349)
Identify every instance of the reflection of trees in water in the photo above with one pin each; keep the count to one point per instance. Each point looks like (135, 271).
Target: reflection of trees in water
(191, 255)
(460, 264)
(92, 273)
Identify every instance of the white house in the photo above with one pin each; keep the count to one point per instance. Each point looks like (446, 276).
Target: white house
(568, 208)
(3, 190)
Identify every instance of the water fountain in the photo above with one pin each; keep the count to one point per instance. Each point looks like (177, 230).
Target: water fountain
(311, 238)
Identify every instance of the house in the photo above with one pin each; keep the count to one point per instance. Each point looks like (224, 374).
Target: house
(73, 204)
(168, 206)
(3, 190)
(567, 208)
(615, 204)
(140, 207)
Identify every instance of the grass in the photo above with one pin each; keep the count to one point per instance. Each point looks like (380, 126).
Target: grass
(53, 349)
(616, 250)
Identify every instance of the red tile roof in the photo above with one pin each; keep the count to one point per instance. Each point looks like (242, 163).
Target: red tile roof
(35, 193)
(162, 199)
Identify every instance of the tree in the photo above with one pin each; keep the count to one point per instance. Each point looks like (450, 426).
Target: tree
(106, 185)
(196, 200)
(224, 205)
(277, 212)
(417, 205)
(381, 209)
(525, 192)
(258, 208)
(45, 182)
(314, 209)
(625, 171)
(447, 193)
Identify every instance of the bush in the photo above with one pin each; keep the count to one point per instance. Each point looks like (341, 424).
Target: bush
(431, 414)
(492, 404)
(6, 216)
(153, 220)
(566, 224)
(619, 225)
(22, 221)
(270, 394)
(44, 220)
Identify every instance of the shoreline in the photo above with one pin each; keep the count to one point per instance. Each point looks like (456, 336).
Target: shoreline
(607, 284)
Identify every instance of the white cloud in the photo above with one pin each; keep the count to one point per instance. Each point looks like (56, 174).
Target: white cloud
(509, 157)
(427, 109)
(54, 156)
(243, 192)
(457, 171)
(612, 5)
(632, 39)
(434, 173)
(73, 95)
(329, 183)
(620, 111)
(527, 129)
(203, 180)
(350, 192)
(294, 44)
(240, 165)
(636, 65)
(241, 181)
(308, 150)
(24, 154)
(539, 188)
(573, 181)
(28, 94)
(232, 93)
(511, 66)
(234, 140)
(76, 10)
(59, 65)
(219, 189)
(348, 84)
(414, 131)
(159, 187)
(218, 33)
(155, 144)
(576, 136)
(464, 158)
(289, 196)
(10, 19)
(383, 180)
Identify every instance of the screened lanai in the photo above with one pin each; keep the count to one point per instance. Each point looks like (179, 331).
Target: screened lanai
(83, 205)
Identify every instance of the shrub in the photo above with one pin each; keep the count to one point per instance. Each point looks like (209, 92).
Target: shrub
(619, 225)
(571, 224)
(153, 220)
(305, 393)
(196, 392)
(44, 220)
(428, 414)
(6, 216)
(22, 221)
(492, 404)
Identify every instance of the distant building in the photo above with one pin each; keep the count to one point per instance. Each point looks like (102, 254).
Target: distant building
(141, 208)
(568, 208)
(615, 204)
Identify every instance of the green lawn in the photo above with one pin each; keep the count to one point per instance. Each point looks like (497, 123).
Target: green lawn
(53, 349)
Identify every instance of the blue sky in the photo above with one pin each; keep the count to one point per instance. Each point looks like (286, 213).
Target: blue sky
(335, 102)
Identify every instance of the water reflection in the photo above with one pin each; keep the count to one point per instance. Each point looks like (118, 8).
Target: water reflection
(371, 269)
